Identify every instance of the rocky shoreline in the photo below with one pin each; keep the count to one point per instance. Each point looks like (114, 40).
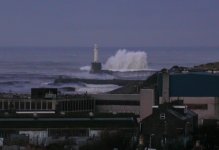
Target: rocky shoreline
(119, 82)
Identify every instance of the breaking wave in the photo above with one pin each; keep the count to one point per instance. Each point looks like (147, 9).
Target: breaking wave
(125, 60)
(94, 88)
(85, 68)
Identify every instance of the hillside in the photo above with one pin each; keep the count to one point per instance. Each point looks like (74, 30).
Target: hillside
(151, 81)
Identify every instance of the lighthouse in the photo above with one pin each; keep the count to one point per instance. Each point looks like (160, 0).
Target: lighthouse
(96, 66)
(95, 53)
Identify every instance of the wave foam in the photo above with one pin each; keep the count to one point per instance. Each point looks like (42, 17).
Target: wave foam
(85, 68)
(127, 60)
(95, 89)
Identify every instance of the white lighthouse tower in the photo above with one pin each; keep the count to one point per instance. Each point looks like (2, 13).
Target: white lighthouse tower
(95, 53)
(96, 66)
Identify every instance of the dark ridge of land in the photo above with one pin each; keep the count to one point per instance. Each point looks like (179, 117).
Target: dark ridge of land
(214, 66)
(119, 82)
(151, 81)
(208, 66)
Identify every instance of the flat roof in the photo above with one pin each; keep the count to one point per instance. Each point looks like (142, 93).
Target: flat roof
(68, 123)
(191, 85)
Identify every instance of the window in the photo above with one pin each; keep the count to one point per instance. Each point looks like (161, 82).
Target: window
(28, 105)
(21, 105)
(38, 105)
(33, 105)
(162, 116)
(44, 105)
(49, 105)
(17, 105)
(5, 105)
(217, 124)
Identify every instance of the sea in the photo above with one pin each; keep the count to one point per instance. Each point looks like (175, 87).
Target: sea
(23, 68)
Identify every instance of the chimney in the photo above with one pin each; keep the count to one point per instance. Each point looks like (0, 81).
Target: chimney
(165, 87)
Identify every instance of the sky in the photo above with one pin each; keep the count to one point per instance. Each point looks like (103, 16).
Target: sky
(133, 23)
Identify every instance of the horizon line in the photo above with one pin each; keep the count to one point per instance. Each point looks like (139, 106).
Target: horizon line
(201, 46)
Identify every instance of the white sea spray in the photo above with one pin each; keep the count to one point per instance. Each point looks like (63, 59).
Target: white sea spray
(125, 60)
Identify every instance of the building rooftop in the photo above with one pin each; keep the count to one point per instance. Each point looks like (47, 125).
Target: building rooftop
(79, 120)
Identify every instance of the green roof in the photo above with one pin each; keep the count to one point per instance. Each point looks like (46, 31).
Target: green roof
(56, 121)
(192, 85)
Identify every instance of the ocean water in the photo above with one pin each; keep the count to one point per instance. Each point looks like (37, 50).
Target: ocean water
(22, 68)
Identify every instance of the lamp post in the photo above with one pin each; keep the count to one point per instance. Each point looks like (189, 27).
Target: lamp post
(150, 140)
(186, 134)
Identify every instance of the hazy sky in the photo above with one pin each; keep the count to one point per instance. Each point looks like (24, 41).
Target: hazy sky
(109, 22)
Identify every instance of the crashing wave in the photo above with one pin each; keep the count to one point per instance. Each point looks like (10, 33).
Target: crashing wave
(125, 60)
(85, 68)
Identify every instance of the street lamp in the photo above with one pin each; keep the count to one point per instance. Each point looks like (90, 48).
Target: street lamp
(150, 140)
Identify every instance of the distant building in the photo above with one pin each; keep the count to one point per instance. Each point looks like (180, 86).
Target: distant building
(13, 103)
(48, 101)
(199, 91)
(51, 115)
(166, 123)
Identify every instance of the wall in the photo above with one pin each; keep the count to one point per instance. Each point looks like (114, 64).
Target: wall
(146, 102)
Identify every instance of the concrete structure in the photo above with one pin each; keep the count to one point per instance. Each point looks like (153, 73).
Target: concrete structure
(165, 87)
(146, 102)
(96, 67)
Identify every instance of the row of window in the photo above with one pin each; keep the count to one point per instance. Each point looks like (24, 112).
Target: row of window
(118, 102)
(28, 105)
(76, 105)
(73, 105)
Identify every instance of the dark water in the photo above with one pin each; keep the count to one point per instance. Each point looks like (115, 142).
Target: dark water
(23, 68)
